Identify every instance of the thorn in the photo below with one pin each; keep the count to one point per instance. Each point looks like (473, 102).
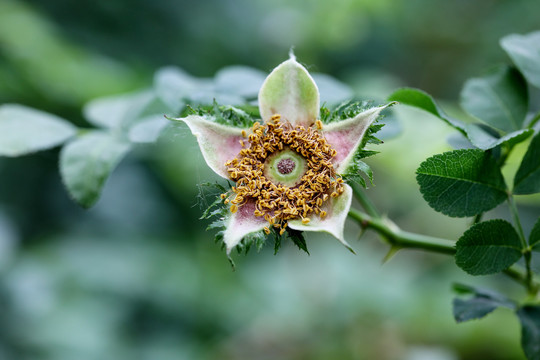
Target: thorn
(390, 254)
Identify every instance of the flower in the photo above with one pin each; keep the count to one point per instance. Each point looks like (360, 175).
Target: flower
(287, 168)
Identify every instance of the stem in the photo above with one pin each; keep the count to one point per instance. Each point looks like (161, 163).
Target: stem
(364, 201)
(517, 223)
(402, 239)
(532, 289)
(477, 218)
(534, 120)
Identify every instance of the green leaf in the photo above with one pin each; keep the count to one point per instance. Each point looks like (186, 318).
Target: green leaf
(529, 317)
(332, 91)
(534, 237)
(461, 183)
(423, 101)
(122, 111)
(87, 162)
(481, 303)
(488, 247)
(24, 130)
(485, 138)
(239, 80)
(524, 50)
(148, 129)
(527, 179)
(500, 99)
(298, 239)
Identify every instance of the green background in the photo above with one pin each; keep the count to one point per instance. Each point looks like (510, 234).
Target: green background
(137, 277)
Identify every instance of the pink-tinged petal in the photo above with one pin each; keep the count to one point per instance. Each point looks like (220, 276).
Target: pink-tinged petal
(242, 223)
(218, 142)
(290, 91)
(337, 210)
(345, 136)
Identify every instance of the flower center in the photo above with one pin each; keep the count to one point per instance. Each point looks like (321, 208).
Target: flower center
(287, 172)
(286, 166)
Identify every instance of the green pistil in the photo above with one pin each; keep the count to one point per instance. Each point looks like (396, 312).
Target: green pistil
(285, 167)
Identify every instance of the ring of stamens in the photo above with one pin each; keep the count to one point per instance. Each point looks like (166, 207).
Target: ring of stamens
(273, 201)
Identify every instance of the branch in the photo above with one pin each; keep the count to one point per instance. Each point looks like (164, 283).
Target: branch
(402, 239)
(398, 238)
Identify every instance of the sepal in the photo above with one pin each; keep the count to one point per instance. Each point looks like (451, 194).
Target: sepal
(218, 142)
(333, 223)
(290, 91)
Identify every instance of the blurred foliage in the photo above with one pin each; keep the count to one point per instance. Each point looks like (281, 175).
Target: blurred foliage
(137, 277)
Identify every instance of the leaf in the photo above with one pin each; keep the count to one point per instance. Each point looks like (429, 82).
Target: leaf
(534, 237)
(527, 179)
(500, 99)
(524, 50)
(485, 138)
(173, 86)
(87, 162)
(332, 91)
(461, 183)
(148, 129)
(488, 247)
(240, 80)
(529, 317)
(117, 111)
(481, 303)
(423, 101)
(297, 237)
(24, 130)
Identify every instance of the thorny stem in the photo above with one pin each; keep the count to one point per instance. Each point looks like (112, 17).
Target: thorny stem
(402, 239)
(398, 238)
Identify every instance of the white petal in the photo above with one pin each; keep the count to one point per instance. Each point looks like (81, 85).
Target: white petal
(290, 91)
(218, 142)
(337, 210)
(242, 223)
(345, 136)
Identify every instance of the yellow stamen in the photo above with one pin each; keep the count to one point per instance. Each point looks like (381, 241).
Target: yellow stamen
(273, 201)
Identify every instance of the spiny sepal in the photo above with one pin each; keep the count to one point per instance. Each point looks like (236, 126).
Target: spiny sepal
(358, 171)
(216, 210)
(345, 110)
(236, 116)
